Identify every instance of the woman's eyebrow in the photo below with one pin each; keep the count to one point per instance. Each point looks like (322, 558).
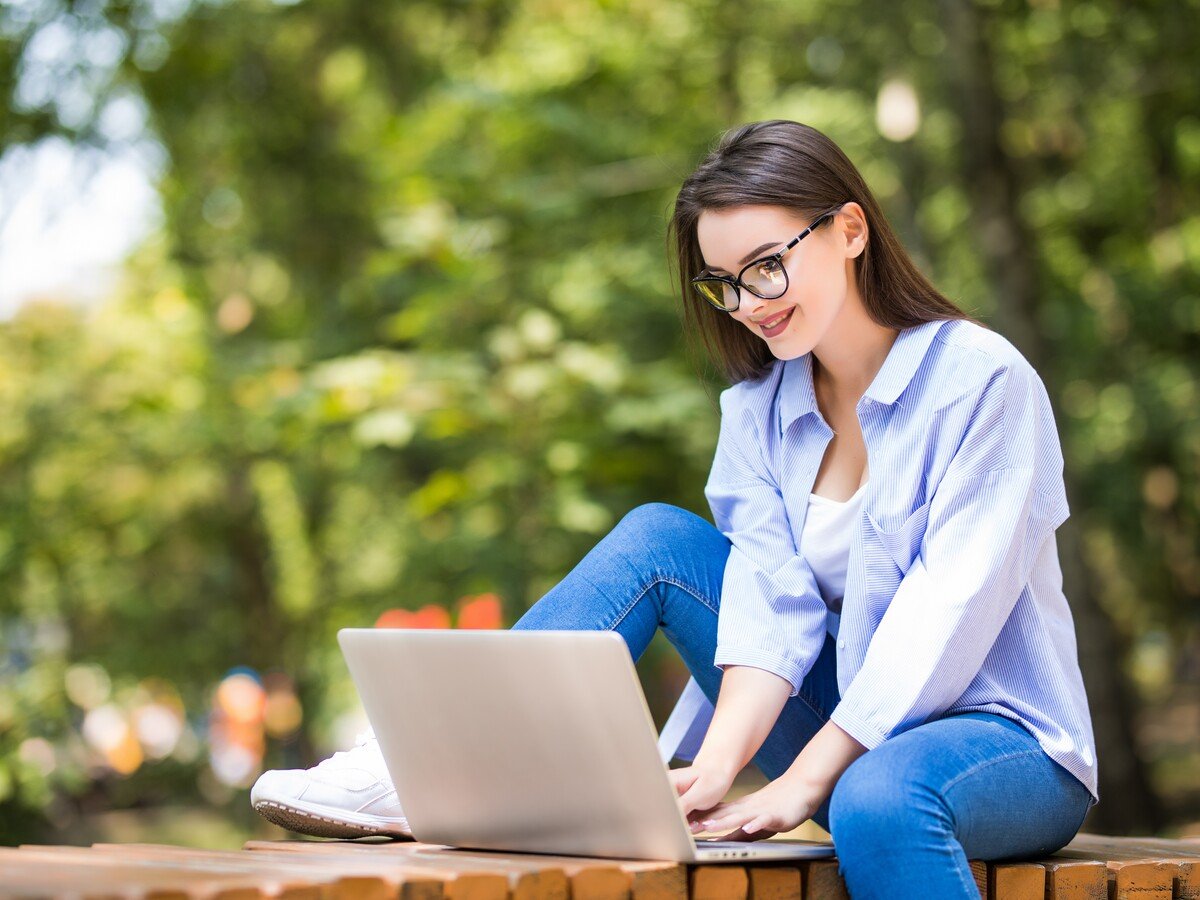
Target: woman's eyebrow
(748, 257)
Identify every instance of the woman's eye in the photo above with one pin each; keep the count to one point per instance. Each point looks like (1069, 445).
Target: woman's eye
(769, 267)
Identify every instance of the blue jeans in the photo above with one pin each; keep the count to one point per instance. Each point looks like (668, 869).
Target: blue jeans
(906, 816)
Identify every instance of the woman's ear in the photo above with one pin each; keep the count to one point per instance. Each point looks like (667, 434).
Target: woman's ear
(852, 222)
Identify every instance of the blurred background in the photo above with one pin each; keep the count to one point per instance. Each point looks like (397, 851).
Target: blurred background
(338, 313)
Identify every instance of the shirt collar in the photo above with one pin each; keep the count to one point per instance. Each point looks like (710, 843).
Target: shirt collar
(904, 357)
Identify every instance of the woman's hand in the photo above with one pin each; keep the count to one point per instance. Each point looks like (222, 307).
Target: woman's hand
(700, 787)
(749, 703)
(784, 804)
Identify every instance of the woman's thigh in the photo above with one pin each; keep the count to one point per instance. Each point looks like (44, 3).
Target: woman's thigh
(660, 567)
(911, 812)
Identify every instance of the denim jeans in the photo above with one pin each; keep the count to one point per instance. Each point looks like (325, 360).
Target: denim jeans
(906, 816)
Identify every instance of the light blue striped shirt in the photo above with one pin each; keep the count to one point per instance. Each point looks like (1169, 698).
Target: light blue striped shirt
(953, 598)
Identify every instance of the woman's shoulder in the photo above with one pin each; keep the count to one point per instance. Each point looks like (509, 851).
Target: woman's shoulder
(755, 391)
(970, 337)
(973, 354)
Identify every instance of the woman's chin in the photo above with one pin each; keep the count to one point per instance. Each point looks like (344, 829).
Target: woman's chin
(785, 349)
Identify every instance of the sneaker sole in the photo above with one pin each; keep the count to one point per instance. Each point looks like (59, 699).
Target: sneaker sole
(306, 822)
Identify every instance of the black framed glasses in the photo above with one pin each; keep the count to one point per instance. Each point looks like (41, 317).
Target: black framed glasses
(765, 277)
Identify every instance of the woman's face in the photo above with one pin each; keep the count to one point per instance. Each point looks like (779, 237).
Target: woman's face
(819, 270)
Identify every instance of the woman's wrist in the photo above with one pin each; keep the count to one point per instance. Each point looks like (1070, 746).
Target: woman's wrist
(749, 703)
(720, 763)
(823, 760)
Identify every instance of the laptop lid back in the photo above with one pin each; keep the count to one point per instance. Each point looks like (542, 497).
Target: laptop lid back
(538, 741)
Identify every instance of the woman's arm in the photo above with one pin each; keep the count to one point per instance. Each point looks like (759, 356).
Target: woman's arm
(747, 707)
(989, 519)
(824, 759)
(791, 799)
(771, 622)
(772, 616)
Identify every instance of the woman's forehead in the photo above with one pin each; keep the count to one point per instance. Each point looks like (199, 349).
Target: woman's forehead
(727, 235)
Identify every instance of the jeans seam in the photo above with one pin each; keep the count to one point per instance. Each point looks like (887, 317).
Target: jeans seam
(977, 768)
(968, 884)
(662, 579)
(1038, 752)
(990, 762)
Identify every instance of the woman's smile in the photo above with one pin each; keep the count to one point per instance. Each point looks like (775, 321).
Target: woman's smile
(775, 326)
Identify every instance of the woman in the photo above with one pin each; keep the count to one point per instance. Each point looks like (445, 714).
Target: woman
(877, 618)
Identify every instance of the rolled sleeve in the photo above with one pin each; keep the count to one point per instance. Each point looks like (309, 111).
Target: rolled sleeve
(771, 616)
(1001, 498)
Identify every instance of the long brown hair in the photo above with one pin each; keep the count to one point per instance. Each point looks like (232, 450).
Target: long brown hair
(787, 164)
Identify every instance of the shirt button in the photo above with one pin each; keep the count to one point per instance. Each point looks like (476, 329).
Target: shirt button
(842, 645)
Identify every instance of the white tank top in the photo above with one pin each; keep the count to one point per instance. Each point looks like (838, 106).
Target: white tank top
(828, 528)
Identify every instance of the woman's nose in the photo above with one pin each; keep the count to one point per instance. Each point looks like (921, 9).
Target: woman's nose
(750, 306)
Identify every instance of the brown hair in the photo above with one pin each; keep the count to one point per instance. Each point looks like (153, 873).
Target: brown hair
(784, 163)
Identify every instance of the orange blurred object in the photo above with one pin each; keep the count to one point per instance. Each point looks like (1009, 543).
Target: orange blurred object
(428, 616)
(236, 741)
(241, 698)
(480, 611)
(126, 757)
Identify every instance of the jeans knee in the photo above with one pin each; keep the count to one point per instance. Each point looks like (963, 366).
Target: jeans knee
(654, 524)
(849, 805)
(873, 803)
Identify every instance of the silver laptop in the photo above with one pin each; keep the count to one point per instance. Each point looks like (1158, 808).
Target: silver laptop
(532, 741)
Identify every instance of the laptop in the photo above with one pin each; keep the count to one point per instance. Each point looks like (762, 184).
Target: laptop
(529, 741)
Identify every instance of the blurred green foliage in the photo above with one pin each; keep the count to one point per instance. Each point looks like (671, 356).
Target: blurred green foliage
(408, 331)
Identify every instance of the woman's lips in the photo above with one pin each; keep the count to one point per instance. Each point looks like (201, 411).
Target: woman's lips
(771, 332)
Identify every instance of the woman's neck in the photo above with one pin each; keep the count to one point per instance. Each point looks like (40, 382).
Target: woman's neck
(849, 357)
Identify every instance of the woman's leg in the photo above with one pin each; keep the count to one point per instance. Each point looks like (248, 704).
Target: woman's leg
(662, 567)
(908, 815)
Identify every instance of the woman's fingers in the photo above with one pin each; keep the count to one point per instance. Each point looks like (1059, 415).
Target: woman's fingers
(748, 832)
(730, 815)
(748, 826)
(702, 819)
(680, 780)
(715, 820)
(698, 797)
(702, 790)
(683, 782)
(693, 801)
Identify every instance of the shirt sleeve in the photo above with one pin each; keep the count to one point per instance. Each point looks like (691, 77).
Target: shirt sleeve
(772, 615)
(1001, 498)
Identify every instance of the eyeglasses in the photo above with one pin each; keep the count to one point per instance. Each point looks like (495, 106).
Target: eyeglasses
(765, 277)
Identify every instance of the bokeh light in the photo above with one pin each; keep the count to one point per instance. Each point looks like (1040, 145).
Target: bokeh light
(87, 685)
(236, 728)
(282, 714)
(480, 611)
(428, 616)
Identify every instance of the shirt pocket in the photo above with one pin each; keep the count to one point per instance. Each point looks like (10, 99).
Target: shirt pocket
(902, 541)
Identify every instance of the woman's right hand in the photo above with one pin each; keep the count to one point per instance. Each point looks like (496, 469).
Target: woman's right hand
(700, 787)
(749, 704)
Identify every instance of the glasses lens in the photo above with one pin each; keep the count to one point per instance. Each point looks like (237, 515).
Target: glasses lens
(718, 293)
(767, 279)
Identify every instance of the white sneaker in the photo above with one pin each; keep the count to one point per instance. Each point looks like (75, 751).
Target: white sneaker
(348, 795)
